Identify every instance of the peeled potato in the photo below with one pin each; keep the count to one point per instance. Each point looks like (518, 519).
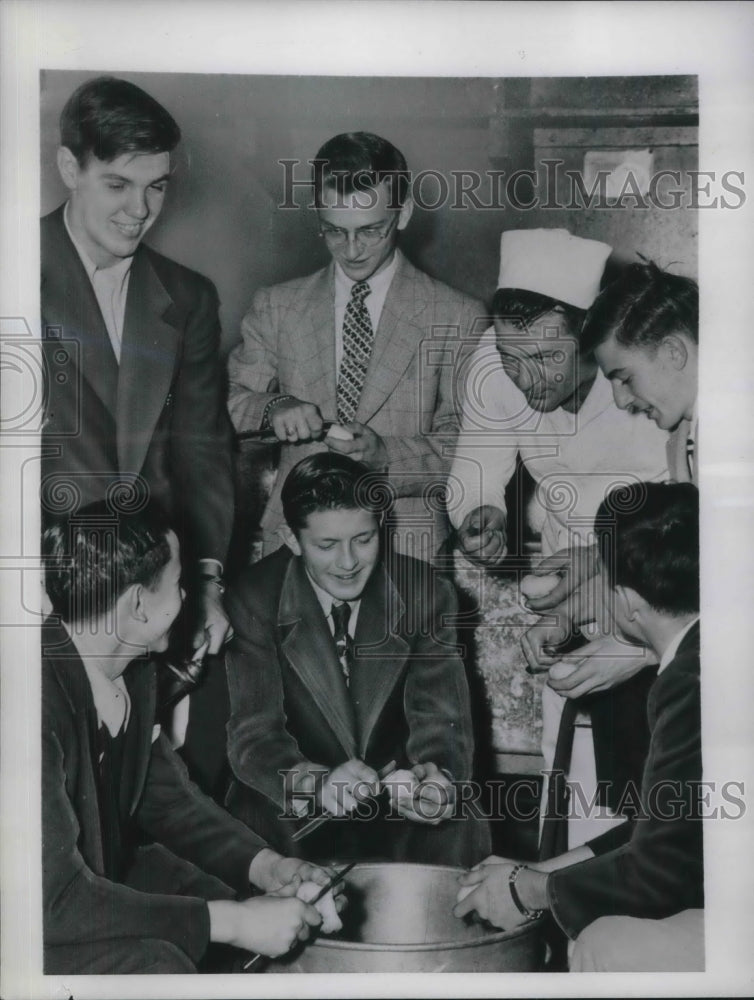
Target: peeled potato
(539, 586)
(338, 433)
(401, 784)
(559, 671)
(326, 906)
(464, 891)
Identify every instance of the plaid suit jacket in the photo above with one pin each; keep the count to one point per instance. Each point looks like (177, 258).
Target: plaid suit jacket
(288, 347)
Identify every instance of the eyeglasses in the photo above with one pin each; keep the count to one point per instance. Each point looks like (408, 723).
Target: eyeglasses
(367, 236)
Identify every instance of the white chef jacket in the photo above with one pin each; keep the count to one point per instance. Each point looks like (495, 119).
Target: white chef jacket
(575, 458)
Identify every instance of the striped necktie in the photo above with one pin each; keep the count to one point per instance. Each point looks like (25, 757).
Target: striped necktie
(358, 337)
(690, 456)
(340, 616)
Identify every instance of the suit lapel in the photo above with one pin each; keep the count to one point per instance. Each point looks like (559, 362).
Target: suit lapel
(147, 363)
(318, 325)
(69, 302)
(140, 682)
(395, 341)
(67, 666)
(65, 663)
(308, 646)
(380, 653)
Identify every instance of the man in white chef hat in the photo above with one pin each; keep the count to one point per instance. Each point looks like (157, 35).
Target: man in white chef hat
(528, 391)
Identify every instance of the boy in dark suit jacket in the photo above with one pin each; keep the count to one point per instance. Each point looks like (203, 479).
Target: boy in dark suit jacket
(135, 389)
(110, 777)
(344, 659)
(632, 899)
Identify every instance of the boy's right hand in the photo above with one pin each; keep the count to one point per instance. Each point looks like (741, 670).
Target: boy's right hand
(347, 785)
(270, 925)
(482, 536)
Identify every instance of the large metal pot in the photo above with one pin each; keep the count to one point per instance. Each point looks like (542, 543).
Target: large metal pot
(399, 919)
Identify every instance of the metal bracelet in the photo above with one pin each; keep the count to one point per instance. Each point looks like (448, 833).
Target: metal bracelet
(523, 910)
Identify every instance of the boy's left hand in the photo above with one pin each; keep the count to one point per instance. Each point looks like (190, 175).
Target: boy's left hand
(432, 799)
(272, 872)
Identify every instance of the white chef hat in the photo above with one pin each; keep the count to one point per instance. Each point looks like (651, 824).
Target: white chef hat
(554, 263)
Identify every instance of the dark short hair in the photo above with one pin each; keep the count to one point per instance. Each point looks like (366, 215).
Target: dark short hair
(328, 481)
(648, 538)
(521, 307)
(93, 557)
(107, 117)
(642, 307)
(359, 161)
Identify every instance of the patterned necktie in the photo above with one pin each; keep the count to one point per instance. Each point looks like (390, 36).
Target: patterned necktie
(690, 456)
(358, 337)
(340, 615)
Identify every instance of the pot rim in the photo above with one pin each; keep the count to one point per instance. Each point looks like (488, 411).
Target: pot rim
(493, 937)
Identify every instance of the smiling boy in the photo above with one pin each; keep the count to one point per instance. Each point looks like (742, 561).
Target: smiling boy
(135, 396)
(343, 660)
(368, 341)
(644, 332)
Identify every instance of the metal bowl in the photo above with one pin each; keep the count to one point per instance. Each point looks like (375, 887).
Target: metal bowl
(399, 918)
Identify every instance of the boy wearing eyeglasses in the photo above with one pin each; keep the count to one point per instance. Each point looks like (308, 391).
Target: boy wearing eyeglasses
(368, 342)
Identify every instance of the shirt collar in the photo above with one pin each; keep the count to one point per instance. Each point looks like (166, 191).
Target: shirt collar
(675, 642)
(327, 600)
(693, 428)
(117, 271)
(378, 283)
(110, 698)
(599, 397)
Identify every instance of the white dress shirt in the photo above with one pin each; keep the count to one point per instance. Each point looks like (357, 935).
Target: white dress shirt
(326, 602)
(575, 458)
(110, 286)
(379, 285)
(672, 649)
(110, 698)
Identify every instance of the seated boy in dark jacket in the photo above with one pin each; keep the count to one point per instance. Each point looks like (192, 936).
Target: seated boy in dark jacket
(113, 904)
(632, 899)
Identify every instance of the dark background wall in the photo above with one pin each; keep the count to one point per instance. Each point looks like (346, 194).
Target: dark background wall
(222, 219)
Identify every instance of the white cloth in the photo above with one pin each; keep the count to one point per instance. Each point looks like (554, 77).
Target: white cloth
(110, 286)
(575, 458)
(379, 285)
(636, 944)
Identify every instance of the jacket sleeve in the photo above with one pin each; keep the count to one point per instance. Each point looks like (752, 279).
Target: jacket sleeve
(253, 364)
(428, 449)
(259, 744)
(659, 872)
(201, 438)
(81, 906)
(436, 693)
(176, 813)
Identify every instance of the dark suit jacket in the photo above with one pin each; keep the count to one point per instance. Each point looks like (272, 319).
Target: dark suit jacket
(658, 870)
(160, 414)
(156, 799)
(407, 700)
